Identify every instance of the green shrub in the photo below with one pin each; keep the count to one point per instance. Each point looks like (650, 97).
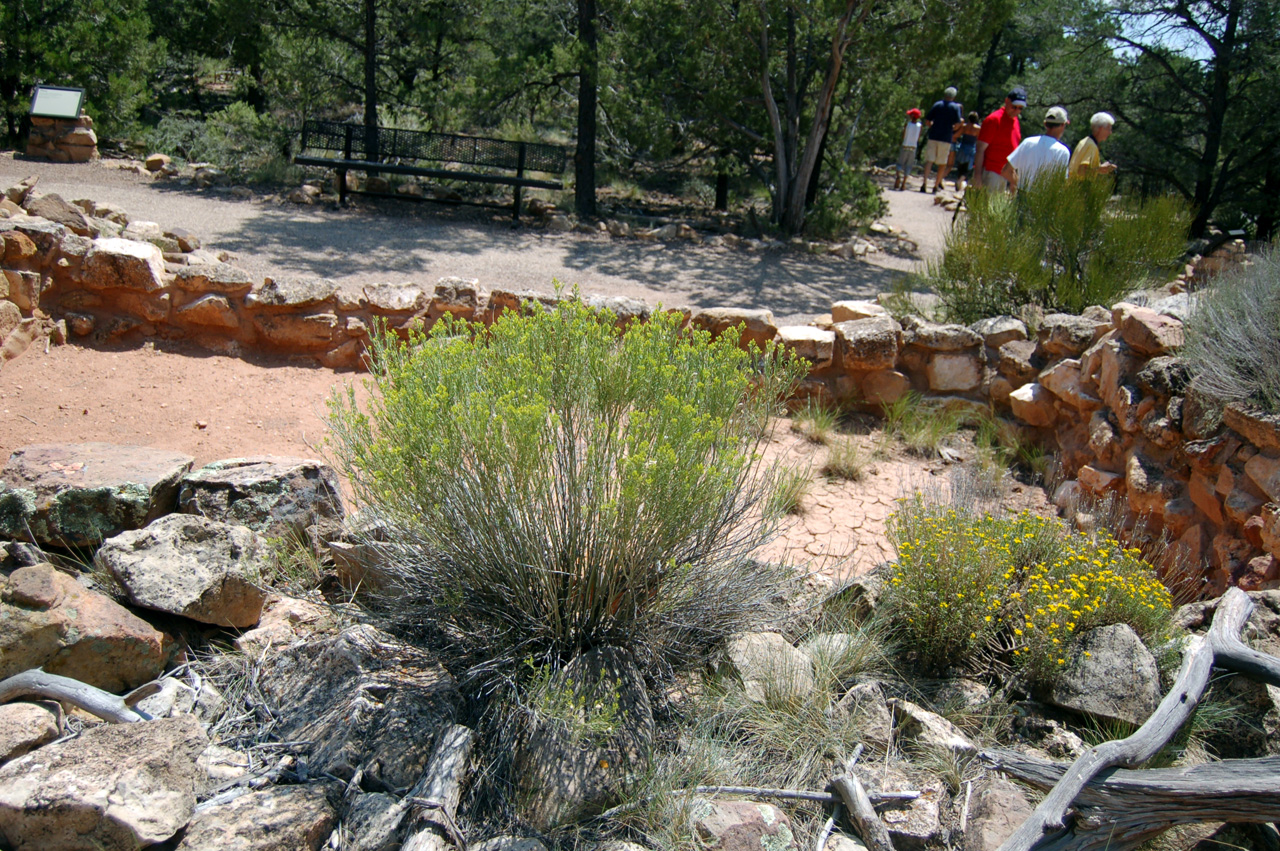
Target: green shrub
(849, 201)
(1233, 337)
(1019, 587)
(552, 484)
(237, 139)
(1060, 244)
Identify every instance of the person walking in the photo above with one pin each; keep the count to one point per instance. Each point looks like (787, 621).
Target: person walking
(907, 153)
(1000, 134)
(964, 148)
(1087, 158)
(941, 121)
(1038, 155)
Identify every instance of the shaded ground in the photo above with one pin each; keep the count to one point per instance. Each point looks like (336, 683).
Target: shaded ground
(378, 241)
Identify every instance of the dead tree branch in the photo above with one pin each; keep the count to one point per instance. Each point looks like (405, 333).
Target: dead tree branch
(91, 699)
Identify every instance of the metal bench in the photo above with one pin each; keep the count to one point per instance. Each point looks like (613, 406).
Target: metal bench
(344, 147)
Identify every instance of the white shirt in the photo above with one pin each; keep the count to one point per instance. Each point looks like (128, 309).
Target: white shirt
(1037, 153)
(911, 135)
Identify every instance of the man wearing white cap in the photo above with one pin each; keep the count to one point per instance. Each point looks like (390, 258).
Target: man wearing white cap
(1039, 154)
(941, 122)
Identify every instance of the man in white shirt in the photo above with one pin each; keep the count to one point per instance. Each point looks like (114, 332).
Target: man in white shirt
(1039, 153)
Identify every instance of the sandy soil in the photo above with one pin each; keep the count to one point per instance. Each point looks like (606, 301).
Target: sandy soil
(213, 407)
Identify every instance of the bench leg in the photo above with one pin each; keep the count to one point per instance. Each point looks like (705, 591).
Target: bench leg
(515, 208)
(342, 187)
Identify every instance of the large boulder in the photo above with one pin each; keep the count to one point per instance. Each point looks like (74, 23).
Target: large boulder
(1110, 675)
(280, 818)
(292, 293)
(78, 494)
(757, 325)
(116, 263)
(276, 496)
(115, 787)
(1000, 807)
(364, 700)
(221, 278)
(768, 666)
(190, 566)
(53, 208)
(567, 768)
(868, 344)
(25, 727)
(50, 621)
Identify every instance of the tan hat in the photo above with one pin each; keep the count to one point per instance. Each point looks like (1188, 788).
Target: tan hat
(1056, 115)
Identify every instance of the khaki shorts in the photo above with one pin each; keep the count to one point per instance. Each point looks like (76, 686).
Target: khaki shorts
(992, 180)
(936, 152)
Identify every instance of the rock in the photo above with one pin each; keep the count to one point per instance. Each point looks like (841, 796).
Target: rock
(10, 319)
(813, 344)
(848, 311)
(1000, 807)
(123, 264)
(509, 843)
(768, 667)
(58, 211)
(18, 248)
(953, 372)
(1110, 675)
(143, 231)
(757, 325)
(624, 310)
(561, 223)
(841, 842)
(868, 344)
(274, 495)
(220, 278)
(285, 620)
(18, 192)
(1033, 404)
(397, 298)
(176, 697)
(155, 162)
(365, 700)
(741, 826)
(1165, 376)
(459, 296)
(210, 311)
(1147, 332)
(995, 331)
(929, 730)
(936, 337)
(568, 771)
(617, 228)
(295, 332)
(1065, 335)
(1147, 485)
(1018, 361)
(884, 386)
(25, 727)
(115, 787)
(1098, 482)
(916, 826)
(867, 702)
(1253, 424)
(280, 818)
(190, 566)
(292, 293)
(71, 494)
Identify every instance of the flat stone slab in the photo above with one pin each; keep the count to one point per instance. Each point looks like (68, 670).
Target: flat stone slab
(79, 494)
(270, 494)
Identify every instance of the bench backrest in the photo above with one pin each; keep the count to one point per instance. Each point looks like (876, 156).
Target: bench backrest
(357, 142)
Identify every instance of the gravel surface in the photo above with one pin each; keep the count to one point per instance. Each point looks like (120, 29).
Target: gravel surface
(378, 241)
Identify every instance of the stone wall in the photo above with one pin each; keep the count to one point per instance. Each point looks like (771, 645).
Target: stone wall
(1103, 391)
(63, 140)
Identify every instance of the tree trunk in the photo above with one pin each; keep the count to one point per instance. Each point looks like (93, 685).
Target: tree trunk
(1205, 199)
(585, 159)
(371, 79)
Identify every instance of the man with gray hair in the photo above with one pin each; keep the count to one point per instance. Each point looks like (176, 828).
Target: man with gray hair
(941, 122)
(1039, 154)
(1086, 160)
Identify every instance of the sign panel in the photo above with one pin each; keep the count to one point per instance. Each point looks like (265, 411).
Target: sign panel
(56, 102)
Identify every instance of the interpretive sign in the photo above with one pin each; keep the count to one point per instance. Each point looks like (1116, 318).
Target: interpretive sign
(56, 102)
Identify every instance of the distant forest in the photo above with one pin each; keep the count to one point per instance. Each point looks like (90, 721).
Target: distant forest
(786, 93)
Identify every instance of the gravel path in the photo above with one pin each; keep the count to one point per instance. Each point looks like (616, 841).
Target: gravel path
(390, 241)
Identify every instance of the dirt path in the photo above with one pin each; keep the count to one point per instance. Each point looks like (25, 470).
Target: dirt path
(390, 241)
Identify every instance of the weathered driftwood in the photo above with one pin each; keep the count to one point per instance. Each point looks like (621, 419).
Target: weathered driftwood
(760, 792)
(821, 842)
(872, 830)
(1045, 828)
(91, 699)
(434, 800)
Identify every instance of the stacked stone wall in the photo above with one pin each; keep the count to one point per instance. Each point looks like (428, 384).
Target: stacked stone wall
(63, 140)
(1104, 390)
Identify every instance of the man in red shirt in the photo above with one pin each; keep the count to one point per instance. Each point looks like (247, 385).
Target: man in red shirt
(1000, 134)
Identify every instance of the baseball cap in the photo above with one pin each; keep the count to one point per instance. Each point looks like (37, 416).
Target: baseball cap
(1018, 96)
(1056, 115)
(913, 113)
(949, 91)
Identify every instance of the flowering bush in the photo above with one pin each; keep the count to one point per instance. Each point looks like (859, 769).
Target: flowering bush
(1017, 587)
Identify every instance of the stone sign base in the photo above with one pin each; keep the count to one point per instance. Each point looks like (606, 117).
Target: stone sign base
(63, 140)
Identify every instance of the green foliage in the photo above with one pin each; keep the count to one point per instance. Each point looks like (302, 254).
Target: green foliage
(790, 487)
(552, 484)
(849, 200)
(1060, 244)
(236, 139)
(1019, 587)
(587, 715)
(846, 460)
(292, 564)
(815, 421)
(923, 427)
(1233, 337)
